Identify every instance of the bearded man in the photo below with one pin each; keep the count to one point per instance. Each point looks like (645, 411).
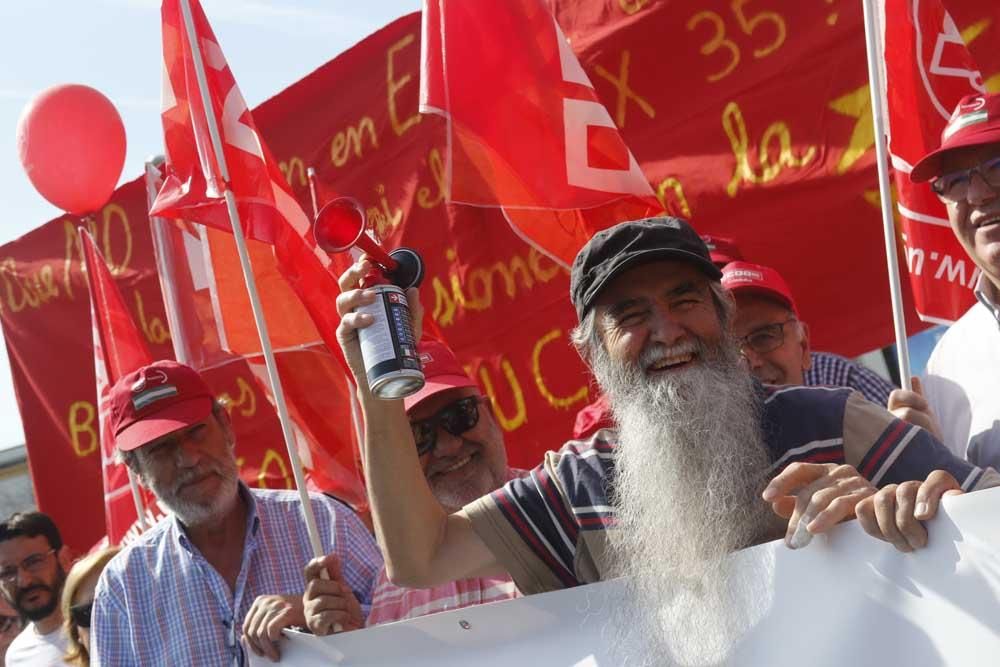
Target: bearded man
(33, 565)
(685, 479)
(227, 558)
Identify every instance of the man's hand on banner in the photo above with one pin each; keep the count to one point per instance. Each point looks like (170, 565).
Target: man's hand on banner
(895, 513)
(268, 616)
(815, 497)
(912, 407)
(329, 603)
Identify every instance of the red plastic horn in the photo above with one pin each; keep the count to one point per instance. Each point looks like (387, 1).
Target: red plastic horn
(340, 226)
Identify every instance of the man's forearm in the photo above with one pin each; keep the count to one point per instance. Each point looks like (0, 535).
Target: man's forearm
(409, 522)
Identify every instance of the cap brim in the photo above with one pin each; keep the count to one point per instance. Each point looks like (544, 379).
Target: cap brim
(929, 166)
(434, 385)
(644, 257)
(172, 418)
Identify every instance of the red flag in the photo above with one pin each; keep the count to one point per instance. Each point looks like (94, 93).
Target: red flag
(527, 131)
(193, 187)
(118, 350)
(929, 68)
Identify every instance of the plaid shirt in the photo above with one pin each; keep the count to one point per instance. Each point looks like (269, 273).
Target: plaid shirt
(831, 370)
(159, 602)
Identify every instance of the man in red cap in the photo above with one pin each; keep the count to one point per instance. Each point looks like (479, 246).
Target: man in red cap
(959, 393)
(462, 455)
(775, 342)
(228, 558)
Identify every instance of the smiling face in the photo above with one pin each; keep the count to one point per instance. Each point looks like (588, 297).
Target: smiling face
(976, 218)
(757, 317)
(461, 468)
(659, 316)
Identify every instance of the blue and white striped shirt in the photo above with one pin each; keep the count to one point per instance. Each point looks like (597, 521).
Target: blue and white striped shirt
(159, 602)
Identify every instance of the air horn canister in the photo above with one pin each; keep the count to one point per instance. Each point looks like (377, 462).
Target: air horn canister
(388, 347)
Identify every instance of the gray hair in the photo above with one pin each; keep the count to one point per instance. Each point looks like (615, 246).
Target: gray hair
(586, 338)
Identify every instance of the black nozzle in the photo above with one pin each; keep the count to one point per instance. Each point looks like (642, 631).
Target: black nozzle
(410, 271)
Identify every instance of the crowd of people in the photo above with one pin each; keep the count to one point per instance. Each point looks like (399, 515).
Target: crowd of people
(718, 428)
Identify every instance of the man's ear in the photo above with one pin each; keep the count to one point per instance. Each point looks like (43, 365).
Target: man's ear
(65, 558)
(806, 356)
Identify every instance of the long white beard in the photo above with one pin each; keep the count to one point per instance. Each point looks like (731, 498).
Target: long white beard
(690, 465)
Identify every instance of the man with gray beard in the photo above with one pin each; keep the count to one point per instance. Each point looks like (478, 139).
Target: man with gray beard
(228, 560)
(700, 453)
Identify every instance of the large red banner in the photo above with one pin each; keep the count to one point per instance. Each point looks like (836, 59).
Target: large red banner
(751, 117)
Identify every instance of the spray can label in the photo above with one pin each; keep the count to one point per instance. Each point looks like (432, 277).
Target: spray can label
(392, 364)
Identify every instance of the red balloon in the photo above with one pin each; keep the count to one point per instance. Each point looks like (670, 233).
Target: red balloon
(71, 142)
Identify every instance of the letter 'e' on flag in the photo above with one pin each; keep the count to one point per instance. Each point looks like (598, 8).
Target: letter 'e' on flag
(526, 130)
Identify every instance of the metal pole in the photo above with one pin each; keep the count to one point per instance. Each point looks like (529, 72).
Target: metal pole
(873, 42)
(258, 311)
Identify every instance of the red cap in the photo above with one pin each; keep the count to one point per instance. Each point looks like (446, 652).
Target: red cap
(157, 400)
(746, 277)
(976, 121)
(722, 250)
(441, 371)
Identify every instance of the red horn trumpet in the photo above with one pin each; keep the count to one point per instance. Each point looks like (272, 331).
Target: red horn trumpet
(340, 226)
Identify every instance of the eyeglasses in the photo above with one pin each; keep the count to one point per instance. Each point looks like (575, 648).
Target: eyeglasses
(954, 187)
(456, 418)
(33, 564)
(766, 338)
(6, 622)
(80, 614)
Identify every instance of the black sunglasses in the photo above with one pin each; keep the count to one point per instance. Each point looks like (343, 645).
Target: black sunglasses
(457, 417)
(80, 614)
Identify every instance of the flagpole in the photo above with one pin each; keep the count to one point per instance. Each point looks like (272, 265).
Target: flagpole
(165, 266)
(872, 43)
(357, 423)
(258, 311)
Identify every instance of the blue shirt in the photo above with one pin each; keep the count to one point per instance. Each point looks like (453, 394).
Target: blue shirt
(159, 602)
(831, 370)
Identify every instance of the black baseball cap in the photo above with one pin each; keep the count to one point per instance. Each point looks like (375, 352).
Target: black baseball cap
(628, 244)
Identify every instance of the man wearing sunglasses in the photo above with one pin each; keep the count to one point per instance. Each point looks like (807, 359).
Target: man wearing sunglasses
(461, 451)
(960, 389)
(705, 461)
(33, 565)
(775, 342)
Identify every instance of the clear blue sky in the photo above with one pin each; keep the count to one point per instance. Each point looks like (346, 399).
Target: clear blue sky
(114, 46)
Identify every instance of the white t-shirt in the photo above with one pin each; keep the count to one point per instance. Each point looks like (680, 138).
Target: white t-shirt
(963, 382)
(31, 649)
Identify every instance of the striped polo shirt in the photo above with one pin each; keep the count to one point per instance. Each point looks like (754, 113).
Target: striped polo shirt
(549, 529)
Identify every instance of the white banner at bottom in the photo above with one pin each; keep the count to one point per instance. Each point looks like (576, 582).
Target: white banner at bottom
(846, 599)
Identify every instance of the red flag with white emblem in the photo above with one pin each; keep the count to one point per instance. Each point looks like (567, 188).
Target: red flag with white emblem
(931, 64)
(194, 185)
(118, 350)
(526, 130)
